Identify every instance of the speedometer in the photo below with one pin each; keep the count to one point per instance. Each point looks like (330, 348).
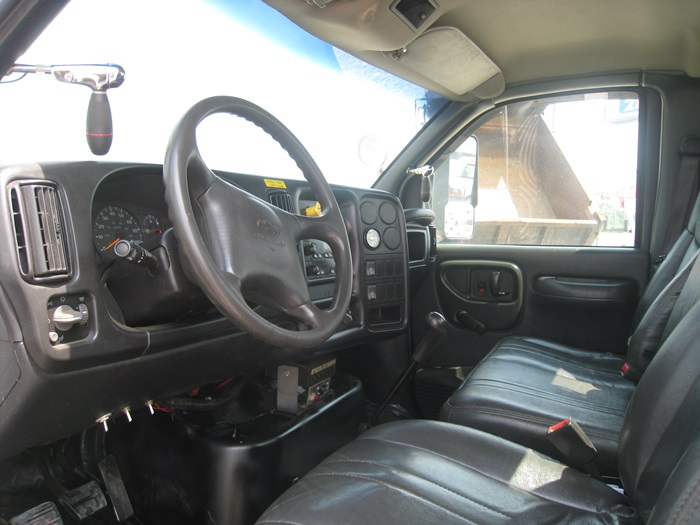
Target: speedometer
(113, 224)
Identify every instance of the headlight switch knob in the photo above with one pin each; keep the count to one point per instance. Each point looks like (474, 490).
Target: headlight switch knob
(64, 317)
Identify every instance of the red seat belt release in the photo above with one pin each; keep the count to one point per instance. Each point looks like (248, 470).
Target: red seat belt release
(573, 443)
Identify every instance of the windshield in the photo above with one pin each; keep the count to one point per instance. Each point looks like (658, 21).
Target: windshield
(353, 118)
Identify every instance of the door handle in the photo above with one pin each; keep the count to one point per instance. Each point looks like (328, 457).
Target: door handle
(495, 285)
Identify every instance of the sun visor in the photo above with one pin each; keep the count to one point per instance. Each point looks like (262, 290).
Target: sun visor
(446, 56)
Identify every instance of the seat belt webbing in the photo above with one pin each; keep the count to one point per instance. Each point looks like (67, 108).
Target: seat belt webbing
(685, 190)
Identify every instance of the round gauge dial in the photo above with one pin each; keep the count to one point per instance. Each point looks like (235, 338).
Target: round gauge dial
(151, 225)
(113, 224)
(372, 238)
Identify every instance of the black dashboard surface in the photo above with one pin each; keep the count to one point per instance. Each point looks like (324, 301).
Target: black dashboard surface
(140, 338)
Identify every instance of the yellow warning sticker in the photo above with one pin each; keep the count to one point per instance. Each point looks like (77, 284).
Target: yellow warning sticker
(272, 183)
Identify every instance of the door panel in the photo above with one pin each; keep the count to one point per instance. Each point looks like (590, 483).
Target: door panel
(481, 295)
(584, 297)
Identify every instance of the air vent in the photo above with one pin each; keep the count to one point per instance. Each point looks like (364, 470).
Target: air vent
(282, 200)
(39, 232)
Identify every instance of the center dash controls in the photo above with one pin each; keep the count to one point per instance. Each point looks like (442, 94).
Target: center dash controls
(318, 259)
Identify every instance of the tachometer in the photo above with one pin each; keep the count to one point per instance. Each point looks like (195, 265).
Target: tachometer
(113, 224)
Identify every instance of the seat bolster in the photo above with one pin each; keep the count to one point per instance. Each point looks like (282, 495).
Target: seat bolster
(413, 472)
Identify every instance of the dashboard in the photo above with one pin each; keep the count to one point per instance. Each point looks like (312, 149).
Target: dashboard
(87, 333)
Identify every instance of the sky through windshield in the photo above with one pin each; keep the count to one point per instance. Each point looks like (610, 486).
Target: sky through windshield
(177, 52)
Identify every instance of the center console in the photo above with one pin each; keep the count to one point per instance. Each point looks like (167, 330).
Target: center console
(230, 471)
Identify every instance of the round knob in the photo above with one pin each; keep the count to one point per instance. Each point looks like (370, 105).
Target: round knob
(64, 317)
(312, 269)
(310, 249)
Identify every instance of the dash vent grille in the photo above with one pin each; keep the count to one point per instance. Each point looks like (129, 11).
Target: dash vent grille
(39, 232)
(20, 239)
(282, 200)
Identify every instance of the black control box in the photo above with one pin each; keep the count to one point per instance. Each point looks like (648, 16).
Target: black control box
(301, 385)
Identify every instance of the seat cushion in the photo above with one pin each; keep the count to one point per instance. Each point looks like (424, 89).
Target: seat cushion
(526, 385)
(417, 472)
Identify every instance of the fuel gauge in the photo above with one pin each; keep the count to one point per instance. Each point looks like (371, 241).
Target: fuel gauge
(151, 225)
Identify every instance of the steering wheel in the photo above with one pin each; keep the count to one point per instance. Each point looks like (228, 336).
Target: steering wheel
(238, 247)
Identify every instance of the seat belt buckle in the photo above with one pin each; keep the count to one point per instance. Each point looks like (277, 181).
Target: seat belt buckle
(573, 443)
(631, 372)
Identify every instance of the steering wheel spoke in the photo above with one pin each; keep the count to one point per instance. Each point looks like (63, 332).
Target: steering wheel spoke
(239, 247)
(311, 316)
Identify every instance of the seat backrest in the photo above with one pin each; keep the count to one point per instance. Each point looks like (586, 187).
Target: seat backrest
(684, 249)
(659, 454)
(662, 317)
(656, 314)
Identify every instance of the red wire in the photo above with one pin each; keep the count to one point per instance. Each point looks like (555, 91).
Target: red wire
(223, 384)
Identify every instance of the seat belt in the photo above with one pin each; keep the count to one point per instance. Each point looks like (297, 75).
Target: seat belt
(686, 190)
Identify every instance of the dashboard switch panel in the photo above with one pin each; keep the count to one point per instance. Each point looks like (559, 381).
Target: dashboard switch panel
(68, 318)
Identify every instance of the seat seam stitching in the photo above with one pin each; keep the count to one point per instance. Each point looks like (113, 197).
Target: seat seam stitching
(542, 394)
(524, 417)
(470, 467)
(277, 522)
(677, 514)
(392, 467)
(394, 487)
(558, 361)
(695, 507)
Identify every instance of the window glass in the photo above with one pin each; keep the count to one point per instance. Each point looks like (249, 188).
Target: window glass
(352, 117)
(554, 171)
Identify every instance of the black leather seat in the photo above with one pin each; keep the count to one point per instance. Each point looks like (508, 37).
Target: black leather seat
(524, 385)
(413, 472)
(431, 472)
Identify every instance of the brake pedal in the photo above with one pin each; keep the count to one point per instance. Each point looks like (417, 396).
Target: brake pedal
(44, 514)
(84, 501)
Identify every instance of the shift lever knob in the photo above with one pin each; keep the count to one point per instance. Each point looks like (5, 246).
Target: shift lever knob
(437, 327)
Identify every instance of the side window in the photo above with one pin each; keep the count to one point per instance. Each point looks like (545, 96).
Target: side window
(553, 171)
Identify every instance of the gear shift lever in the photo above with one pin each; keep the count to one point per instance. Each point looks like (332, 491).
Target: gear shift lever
(437, 326)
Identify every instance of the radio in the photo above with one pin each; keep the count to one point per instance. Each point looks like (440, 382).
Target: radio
(318, 260)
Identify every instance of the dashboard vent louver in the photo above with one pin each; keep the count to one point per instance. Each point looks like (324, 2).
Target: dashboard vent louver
(282, 200)
(40, 238)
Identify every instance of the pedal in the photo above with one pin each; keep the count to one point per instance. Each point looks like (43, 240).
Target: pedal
(44, 514)
(84, 501)
(115, 488)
